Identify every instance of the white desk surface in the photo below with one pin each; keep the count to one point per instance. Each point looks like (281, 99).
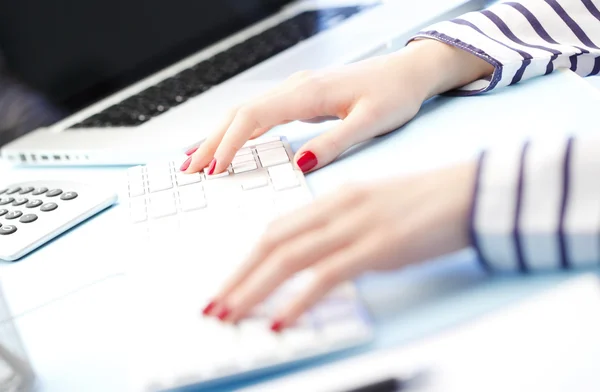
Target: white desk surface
(69, 297)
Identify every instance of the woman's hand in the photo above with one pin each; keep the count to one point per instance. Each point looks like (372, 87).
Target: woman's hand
(372, 97)
(376, 227)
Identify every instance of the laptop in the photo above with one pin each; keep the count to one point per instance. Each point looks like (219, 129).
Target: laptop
(140, 79)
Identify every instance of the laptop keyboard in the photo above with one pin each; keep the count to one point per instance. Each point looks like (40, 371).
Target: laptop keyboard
(190, 82)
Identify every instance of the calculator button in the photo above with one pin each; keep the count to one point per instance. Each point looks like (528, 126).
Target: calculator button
(54, 192)
(3, 211)
(68, 195)
(7, 229)
(49, 207)
(34, 203)
(28, 218)
(19, 201)
(13, 189)
(40, 191)
(3, 190)
(26, 190)
(14, 214)
(6, 200)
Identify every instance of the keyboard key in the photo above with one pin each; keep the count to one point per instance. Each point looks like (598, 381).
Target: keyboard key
(19, 201)
(162, 204)
(69, 196)
(13, 190)
(192, 198)
(258, 345)
(3, 211)
(262, 140)
(243, 152)
(273, 157)
(240, 160)
(254, 180)
(213, 176)
(283, 177)
(28, 218)
(186, 179)
(54, 192)
(135, 173)
(245, 167)
(343, 332)
(13, 214)
(6, 200)
(159, 177)
(26, 190)
(49, 207)
(268, 146)
(3, 190)
(137, 210)
(7, 229)
(301, 340)
(40, 191)
(34, 203)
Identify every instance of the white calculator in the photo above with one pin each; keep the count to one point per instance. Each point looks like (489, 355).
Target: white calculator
(34, 212)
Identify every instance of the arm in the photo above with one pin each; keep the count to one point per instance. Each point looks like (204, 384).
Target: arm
(475, 53)
(526, 39)
(537, 205)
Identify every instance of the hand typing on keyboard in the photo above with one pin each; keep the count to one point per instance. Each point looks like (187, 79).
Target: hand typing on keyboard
(379, 227)
(372, 97)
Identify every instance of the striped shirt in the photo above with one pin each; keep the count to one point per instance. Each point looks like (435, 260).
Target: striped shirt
(537, 205)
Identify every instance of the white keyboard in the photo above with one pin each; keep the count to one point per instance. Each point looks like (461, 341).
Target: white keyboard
(200, 228)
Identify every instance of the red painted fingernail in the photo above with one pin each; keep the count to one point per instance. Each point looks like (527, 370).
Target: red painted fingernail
(307, 161)
(186, 164)
(211, 305)
(277, 326)
(223, 314)
(211, 167)
(191, 151)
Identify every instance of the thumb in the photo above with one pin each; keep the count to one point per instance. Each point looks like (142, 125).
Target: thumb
(358, 126)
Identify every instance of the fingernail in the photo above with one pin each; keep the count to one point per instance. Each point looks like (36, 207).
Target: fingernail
(191, 151)
(211, 167)
(209, 307)
(186, 164)
(223, 314)
(277, 326)
(307, 161)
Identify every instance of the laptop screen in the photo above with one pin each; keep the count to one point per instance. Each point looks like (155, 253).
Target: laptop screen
(78, 51)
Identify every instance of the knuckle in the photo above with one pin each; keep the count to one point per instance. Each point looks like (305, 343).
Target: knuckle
(317, 84)
(326, 279)
(353, 193)
(271, 235)
(248, 115)
(285, 261)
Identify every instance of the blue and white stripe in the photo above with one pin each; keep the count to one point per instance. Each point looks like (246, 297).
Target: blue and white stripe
(526, 39)
(536, 206)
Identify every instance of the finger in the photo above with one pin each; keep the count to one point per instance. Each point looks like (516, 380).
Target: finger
(294, 224)
(289, 258)
(358, 126)
(288, 105)
(203, 154)
(200, 158)
(339, 267)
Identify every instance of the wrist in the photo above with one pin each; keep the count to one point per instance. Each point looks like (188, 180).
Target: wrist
(439, 67)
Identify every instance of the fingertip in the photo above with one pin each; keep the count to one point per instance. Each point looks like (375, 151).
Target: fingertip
(186, 164)
(306, 160)
(277, 325)
(191, 151)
